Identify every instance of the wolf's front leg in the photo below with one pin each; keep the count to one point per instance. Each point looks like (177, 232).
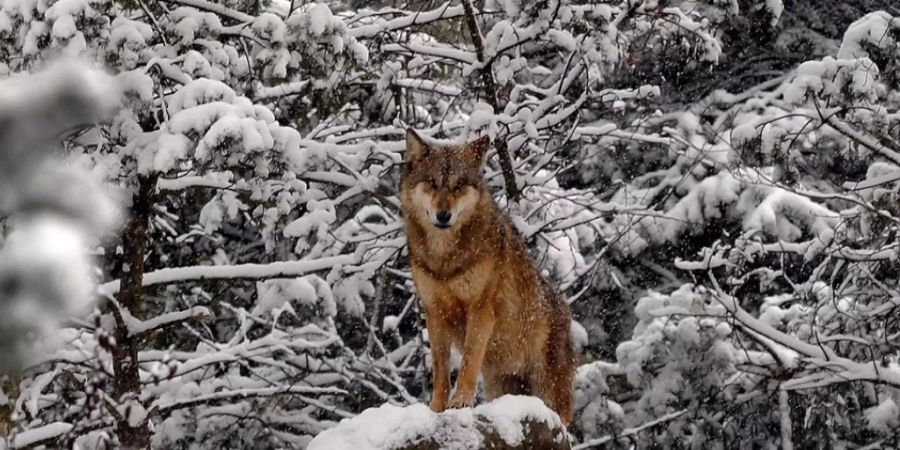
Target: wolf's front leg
(439, 337)
(479, 327)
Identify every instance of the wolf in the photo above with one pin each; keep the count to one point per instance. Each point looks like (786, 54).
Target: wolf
(478, 286)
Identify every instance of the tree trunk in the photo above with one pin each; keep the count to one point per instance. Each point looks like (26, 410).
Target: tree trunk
(490, 86)
(125, 353)
(9, 385)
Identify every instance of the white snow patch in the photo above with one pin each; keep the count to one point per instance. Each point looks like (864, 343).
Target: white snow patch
(579, 335)
(34, 435)
(377, 428)
(319, 17)
(390, 323)
(776, 8)
(508, 412)
(885, 417)
(390, 426)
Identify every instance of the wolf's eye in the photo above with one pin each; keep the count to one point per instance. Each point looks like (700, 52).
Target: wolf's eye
(432, 184)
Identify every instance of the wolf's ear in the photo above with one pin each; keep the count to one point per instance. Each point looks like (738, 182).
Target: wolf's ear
(480, 148)
(416, 148)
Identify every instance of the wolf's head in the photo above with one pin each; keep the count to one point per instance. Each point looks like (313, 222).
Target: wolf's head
(443, 185)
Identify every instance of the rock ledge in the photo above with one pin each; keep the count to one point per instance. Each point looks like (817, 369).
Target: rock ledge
(508, 423)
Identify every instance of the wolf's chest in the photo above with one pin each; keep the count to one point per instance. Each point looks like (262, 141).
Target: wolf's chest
(465, 287)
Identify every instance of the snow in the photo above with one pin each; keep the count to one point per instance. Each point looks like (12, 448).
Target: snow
(252, 135)
(270, 26)
(136, 84)
(209, 122)
(135, 413)
(35, 435)
(390, 323)
(833, 78)
(199, 92)
(172, 149)
(70, 8)
(435, 50)
(593, 443)
(204, 5)
(878, 174)
(390, 426)
(428, 85)
(278, 143)
(774, 215)
(710, 45)
(320, 17)
(507, 413)
(64, 28)
(885, 417)
(776, 8)
(350, 293)
(137, 327)
(563, 38)
(871, 29)
(709, 261)
(239, 271)
(320, 216)
(385, 427)
(444, 11)
(282, 90)
(220, 180)
(579, 335)
(274, 293)
(36, 389)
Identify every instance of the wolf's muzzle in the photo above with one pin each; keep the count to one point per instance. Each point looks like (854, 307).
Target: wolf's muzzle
(442, 219)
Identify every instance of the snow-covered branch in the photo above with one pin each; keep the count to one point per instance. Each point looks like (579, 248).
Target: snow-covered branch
(230, 395)
(631, 431)
(219, 9)
(435, 50)
(428, 85)
(442, 12)
(864, 140)
(236, 272)
(137, 327)
(821, 356)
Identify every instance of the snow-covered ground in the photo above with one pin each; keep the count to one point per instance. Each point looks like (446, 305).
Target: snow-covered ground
(511, 418)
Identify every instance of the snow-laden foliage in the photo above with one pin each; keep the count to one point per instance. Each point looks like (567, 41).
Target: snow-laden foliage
(730, 254)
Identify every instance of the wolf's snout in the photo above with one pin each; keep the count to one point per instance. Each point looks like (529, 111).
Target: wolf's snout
(442, 219)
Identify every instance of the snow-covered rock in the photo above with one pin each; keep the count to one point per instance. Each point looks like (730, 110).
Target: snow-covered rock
(509, 422)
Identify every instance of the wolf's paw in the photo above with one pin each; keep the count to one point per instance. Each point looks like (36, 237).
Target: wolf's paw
(461, 402)
(438, 406)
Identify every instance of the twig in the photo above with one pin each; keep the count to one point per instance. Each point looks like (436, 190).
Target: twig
(162, 34)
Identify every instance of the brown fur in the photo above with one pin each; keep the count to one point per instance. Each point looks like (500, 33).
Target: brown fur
(479, 287)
